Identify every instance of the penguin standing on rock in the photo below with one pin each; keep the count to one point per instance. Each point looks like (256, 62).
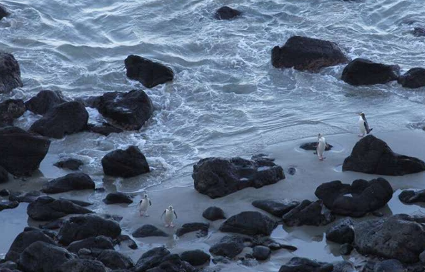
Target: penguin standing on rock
(144, 205)
(321, 146)
(363, 125)
(169, 216)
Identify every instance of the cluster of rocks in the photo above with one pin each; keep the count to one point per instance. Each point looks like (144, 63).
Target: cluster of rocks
(308, 54)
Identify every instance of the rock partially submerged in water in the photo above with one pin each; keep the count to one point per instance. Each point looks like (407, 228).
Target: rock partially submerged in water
(410, 196)
(308, 213)
(85, 226)
(313, 146)
(70, 182)
(400, 237)
(71, 164)
(4, 205)
(47, 208)
(104, 129)
(418, 32)
(3, 12)
(24, 197)
(276, 208)
(307, 54)
(226, 13)
(117, 198)
(115, 260)
(298, 264)
(195, 257)
(414, 78)
(149, 231)
(373, 156)
(91, 243)
(83, 265)
(365, 72)
(213, 213)
(21, 152)
(125, 163)
(249, 223)
(10, 110)
(147, 72)
(229, 246)
(218, 177)
(342, 232)
(10, 73)
(357, 199)
(128, 110)
(64, 119)
(200, 228)
(44, 101)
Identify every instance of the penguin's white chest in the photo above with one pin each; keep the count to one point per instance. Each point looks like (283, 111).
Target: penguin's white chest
(169, 216)
(321, 146)
(362, 126)
(144, 205)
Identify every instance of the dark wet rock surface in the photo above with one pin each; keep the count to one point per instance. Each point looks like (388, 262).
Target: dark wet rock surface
(71, 164)
(308, 213)
(298, 264)
(10, 110)
(98, 242)
(148, 231)
(365, 72)
(195, 257)
(342, 232)
(147, 72)
(10, 72)
(276, 208)
(227, 13)
(104, 129)
(24, 197)
(8, 205)
(213, 214)
(410, 196)
(47, 208)
(70, 182)
(200, 228)
(249, 223)
(414, 78)
(228, 246)
(116, 198)
(125, 163)
(44, 101)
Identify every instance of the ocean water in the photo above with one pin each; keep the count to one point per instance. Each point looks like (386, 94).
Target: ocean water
(227, 99)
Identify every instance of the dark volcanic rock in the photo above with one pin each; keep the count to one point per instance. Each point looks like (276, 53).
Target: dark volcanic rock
(213, 213)
(308, 213)
(409, 196)
(4, 175)
(195, 257)
(276, 208)
(126, 240)
(148, 231)
(261, 253)
(3, 12)
(23, 240)
(98, 242)
(373, 156)
(173, 263)
(313, 146)
(226, 13)
(298, 264)
(105, 129)
(400, 237)
(151, 259)
(63, 119)
(115, 198)
(201, 228)
(47, 208)
(229, 246)
(8, 205)
(147, 72)
(71, 164)
(414, 78)
(419, 32)
(41, 256)
(342, 232)
(128, 110)
(309, 54)
(125, 163)
(81, 265)
(115, 260)
(346, 249)
(249, 223)
(70, 182)
(10, 73)
(4, 192)
(44, 101)
(21, 152)
(357, 199)
(24, 197)
(218, 177)
(85, 226)
(365, 72)
(10, 110)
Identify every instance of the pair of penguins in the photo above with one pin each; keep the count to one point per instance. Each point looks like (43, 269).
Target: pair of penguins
(364, 130)
(170, 213)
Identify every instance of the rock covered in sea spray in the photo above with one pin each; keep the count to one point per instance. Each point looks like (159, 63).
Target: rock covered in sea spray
(10, 73)
(147, 72)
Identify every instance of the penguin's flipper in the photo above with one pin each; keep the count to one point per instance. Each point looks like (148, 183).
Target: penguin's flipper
(175, 214)
(150, 202)
(369, 130)
(163, 213)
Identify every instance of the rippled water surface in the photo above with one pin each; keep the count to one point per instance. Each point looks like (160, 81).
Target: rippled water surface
(226, 99)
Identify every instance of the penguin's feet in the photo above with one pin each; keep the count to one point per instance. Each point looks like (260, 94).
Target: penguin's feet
(361, 135)
(321, 158)
(171, 226)
(146, 215)
(167, 226)
(141, 213)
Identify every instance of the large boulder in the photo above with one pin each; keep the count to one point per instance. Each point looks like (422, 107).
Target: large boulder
(117, 198)
(11, 109)
(41, 256)
(373, 156)
(70, 182)
(226, 13)
(342, 232)
(303, 53)
(410, 196)
(47, 208)
(44, 101)
(365, 72)
(91, 243)
(276, 207)
(127, 110)
(357, 199)
(308, 213)
(414, 78)
(25, 239)
(218, 177)
(147, 72)
(151, 259)
(213, 213)
(10, 73)
(298, 264)
(21, 152)
(200, 228)
(85, 226)
(400, 237)
(82, 265)
(195, 257)
(228, 246)
(63, 119)
(115, 260)
(148, 231)
(125, 163)
(3, 12)
(249, 223)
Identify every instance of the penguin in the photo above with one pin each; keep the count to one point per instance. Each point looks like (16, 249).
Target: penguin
(321, 146)
(363, 125)
(169, 216)
(144, 205)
